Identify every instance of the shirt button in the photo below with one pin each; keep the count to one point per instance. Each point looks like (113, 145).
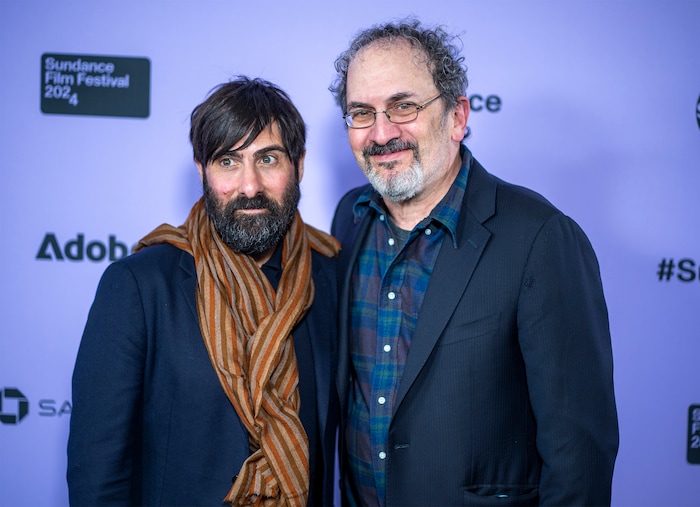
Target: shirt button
(387, 348)
(382, 455)
(391, 242)
(381, 400)
(428, 232)
(391, 295)
(381, 217)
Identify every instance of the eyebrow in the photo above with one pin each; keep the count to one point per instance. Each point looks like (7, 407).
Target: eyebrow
(394, 98)
(262, 151)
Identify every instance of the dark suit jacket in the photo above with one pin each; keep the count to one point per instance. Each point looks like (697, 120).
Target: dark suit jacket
(151, 424)
(507, 393)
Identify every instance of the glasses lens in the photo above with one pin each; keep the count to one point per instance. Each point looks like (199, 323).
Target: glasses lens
(360, 118)
(402, 113)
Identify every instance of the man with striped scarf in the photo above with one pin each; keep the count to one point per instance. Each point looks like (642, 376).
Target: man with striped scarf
(205, 372)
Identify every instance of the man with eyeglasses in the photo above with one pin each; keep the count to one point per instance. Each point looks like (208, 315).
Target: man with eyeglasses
(475, 357)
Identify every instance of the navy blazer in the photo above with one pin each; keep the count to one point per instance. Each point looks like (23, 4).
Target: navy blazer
(151, 424)
(507, 393)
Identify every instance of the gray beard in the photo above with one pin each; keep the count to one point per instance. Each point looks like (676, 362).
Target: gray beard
(398, 187)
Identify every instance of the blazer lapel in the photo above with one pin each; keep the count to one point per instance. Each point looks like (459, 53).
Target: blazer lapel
(188, 284)
(352, 236)
(453, 270)
(321, 352)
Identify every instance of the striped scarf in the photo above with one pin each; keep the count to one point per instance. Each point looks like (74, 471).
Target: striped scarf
(246, 327)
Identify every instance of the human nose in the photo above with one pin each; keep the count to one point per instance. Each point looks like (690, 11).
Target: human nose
(383, 130)
(250, 181)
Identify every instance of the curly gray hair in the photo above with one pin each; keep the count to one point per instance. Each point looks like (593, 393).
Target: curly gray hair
(443, 57)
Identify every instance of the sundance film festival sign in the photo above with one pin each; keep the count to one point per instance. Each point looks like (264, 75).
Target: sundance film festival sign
(693, 453)
(95, 85)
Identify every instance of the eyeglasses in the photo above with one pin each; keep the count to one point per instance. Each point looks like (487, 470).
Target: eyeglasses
(402, 112)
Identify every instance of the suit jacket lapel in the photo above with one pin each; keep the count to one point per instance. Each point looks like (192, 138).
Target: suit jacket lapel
(318, 332)
(453, 270)
(188, 284)
(354, 236)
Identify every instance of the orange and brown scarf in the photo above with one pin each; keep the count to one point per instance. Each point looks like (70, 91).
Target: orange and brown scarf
(247, 331)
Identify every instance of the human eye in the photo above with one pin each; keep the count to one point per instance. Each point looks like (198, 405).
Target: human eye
(226, 161)
(268, 159)
(360, 114)
(403, 108)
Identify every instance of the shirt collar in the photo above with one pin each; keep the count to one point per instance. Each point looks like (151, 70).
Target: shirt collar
(272, 269)
(445, 213)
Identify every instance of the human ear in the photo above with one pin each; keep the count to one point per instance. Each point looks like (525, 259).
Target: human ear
(300, 167)
(200, 170)
(460, 115)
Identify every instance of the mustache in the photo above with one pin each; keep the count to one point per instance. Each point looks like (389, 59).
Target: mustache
(391, 147)
(257, 202)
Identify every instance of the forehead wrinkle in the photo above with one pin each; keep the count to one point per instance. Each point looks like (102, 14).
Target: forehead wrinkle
(374, 61)
(246, 140)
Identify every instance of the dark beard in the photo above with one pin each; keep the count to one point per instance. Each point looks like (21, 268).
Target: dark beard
(252, 234)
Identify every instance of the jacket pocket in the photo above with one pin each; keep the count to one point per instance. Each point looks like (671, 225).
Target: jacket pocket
(460, 331)
(500, 494)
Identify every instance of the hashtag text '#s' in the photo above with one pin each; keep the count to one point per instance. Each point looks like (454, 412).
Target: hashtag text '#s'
(666, 269)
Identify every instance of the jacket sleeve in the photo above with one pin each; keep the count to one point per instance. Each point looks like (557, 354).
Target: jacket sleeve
(107, 394)
(565, 341)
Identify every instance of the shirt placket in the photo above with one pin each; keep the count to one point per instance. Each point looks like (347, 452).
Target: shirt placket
(385, 375)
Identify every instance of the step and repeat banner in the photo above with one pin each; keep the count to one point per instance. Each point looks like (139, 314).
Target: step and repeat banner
(595, 104)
